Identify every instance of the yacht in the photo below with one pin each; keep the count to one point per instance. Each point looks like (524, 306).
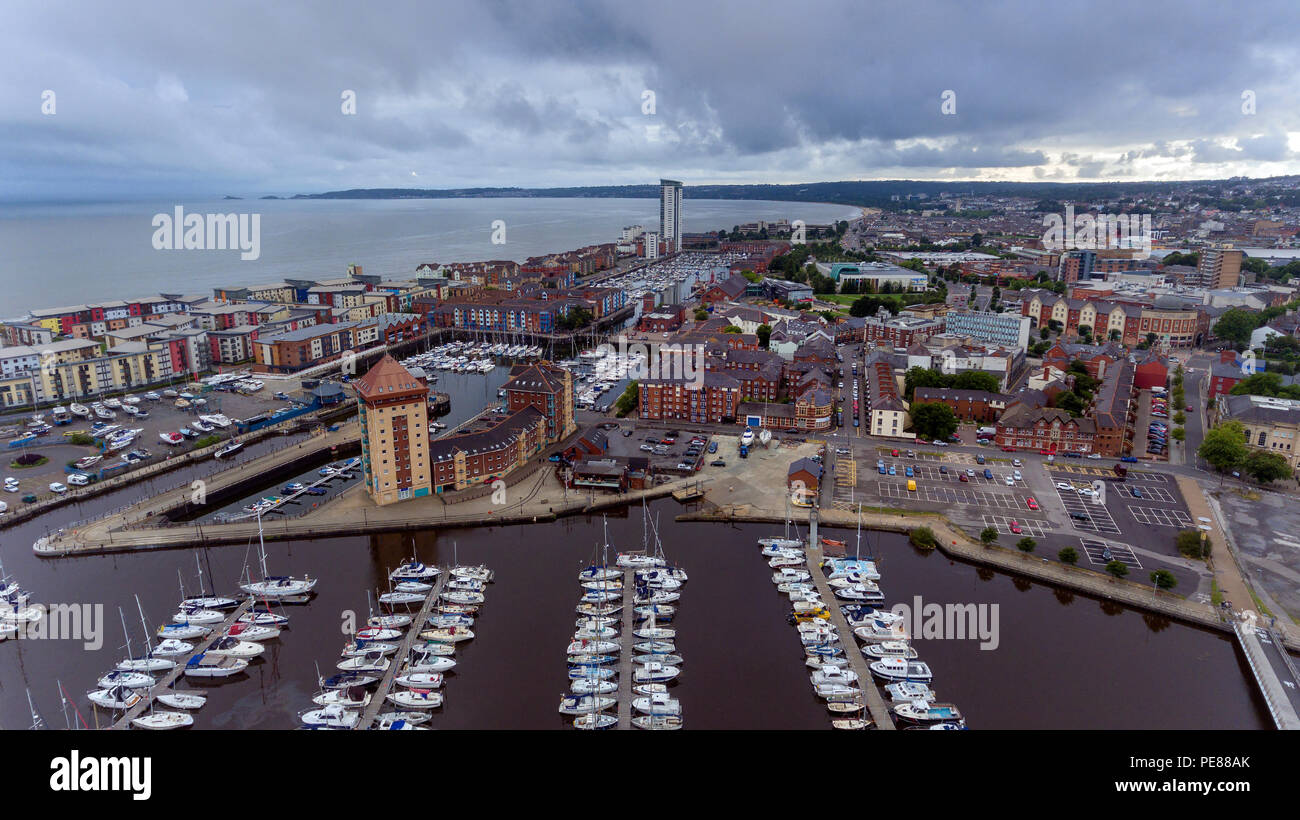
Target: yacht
(654, 672)
(79, 410)
(235, 648)
(205, 665)
(194, 615)
(592, 686)
(657, 722)
(414, 571)
(252, 632)
(416, 699)
(923, 711)
(447, 634)
(126, 680)
(159, 721)
(594, 672)
(827, 691)
(60, 415)
(343, 680)
(183, 700)
(909, 691)
(119, 697)
(890, 649)
(427, 663)
(183, 631)
(898, 669)
(834, 674)
(747, 438)
(230, 449)
(395, 598)
(420, 680)
(658, 703)
(581, 704)
(368, 662)
(594, 720)
(329, 717)
(355, 648)
(878, 630)
(172, 648)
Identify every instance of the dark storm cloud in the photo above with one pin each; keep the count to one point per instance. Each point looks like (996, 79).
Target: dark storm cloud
(504, 93)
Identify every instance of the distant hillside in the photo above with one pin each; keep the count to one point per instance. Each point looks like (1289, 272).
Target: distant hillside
(875, 193)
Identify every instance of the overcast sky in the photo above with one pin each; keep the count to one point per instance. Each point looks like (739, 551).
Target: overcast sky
(183, 99)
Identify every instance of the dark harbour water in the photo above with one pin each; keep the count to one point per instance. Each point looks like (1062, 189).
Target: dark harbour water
(1065, 661)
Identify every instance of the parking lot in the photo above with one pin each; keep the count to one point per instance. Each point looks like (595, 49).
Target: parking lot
(1034, 528)
(1097, 553)
(1086, 514)
(666, 450)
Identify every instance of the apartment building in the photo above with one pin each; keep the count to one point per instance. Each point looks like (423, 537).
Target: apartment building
(394, 413)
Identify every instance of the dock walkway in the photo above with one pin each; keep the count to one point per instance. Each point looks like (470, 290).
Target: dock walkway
(165, 682)
(380, 697)
(626, 639)
(1281, 704)
(880, 714)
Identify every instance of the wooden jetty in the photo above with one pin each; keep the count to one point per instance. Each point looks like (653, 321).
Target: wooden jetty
(164, 683)
(380, 697)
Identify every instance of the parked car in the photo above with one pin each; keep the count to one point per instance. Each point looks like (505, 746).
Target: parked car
(1031, 503)
(56, 487)
(717, 462)
(78, 479)
(1014, 527)
(11, 485)
(988, 473)
(962, 477)
(713, 447)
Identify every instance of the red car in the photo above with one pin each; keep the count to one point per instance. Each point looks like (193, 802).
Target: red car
(894, 453)
(1189, 409)
(1044, 452)
(1015, 528)
(1008, 449)
(1031, 503)
(962, 477)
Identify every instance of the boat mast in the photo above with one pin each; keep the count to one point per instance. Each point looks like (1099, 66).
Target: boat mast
(148, 644)
(125, 634)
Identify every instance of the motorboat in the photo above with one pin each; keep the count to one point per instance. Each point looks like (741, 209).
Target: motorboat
(825, 661)
(796, 587)
(414, 571)
(639, 560)
(657, 722)
(182, 700)
(355, 648)
(368, 662)
(442, 650)
(747, 438)
(172, 647)
(581, 704)
(79, 410)
(207, 665)
(397, 725)
(126, 680)
(416, 699)
(834, 674)
(350, 697)
(420, 680)
(161, 721)
(880, 631)
(466, 584)
(429, 663)
(860, 592)
(329, 717)
(923, 711)
(377, 633)
(658, 703)
(594, 720)
(654, 672)
(835, 690)
(890, 649)
(235, 648)
(909, 691)
(783, 561)
(899, 669)
(119, 697)
(658, 597)
(592, 686)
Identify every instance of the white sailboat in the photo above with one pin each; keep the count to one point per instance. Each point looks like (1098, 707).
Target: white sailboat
(275, 586)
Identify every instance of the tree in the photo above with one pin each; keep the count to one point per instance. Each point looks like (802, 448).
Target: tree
(1026, 544)
(1044, 333)
(1164, 579)
(989, 535)
(701, 315)
(923, 537)
(1085, 331)
(1071, 403)
(629, 401)
(1193, 544)
(1117, 568)
(732, 329)
(1266, 467)
(1235, 325)
(1179, 433)
(933, 421)
(1224, 447)
(764, 334)
(975, 380)
(922, 377)
(1068, 555)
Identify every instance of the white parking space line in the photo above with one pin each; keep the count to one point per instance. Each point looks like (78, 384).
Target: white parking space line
(1148, 493)
(1034, 528)
(1160, 517)
(1099, 519)
(1096, 552)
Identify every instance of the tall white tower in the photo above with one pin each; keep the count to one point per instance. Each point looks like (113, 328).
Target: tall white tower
(670, 215)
